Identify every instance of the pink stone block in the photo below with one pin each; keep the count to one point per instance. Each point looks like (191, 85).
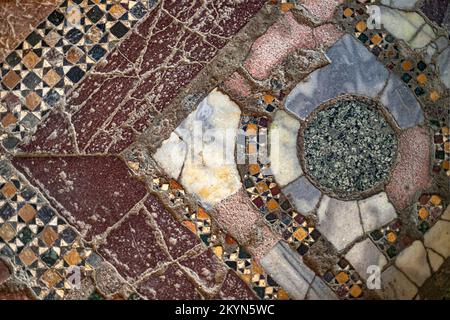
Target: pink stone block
(412, 169)
(321, 9)
(327, 34)
(238, 85)
(237, 216)
(281, 39)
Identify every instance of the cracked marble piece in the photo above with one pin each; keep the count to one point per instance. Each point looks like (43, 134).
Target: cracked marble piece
(408, 26)
(339, 221)
(376, 211)
(319, 290)
(396, 286)
(353, 69)
(282, 38)
(117, 100)
(286, 267)
(18, 19)
(443, 64)
(400, 4)
(171, 155)
(239, 218)
(438, 238)
(435, 260)
(303, 195)
(363, 255)
(284, 162)
(413, 262)
(401, 103)
(411, 172)
(93, 193)
(210, 170)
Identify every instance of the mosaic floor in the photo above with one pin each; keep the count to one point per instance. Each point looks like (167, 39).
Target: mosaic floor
(224, 149)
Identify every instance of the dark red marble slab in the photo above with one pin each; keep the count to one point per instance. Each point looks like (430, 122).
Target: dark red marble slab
(114, 103)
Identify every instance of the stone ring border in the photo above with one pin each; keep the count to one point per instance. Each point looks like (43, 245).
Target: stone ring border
(372, 102)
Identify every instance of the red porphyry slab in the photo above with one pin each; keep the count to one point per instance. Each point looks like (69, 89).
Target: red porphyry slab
(109, 108)
(177, 237)
(238, 85)
(170, 285)
(412, 170)
(206, 268)
(92, 192)
(132, 247)
(281, 39)
(234, 288)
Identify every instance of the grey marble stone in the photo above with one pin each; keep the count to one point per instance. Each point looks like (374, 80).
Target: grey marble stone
(320, 291)
(443, 64)
(286, 267)
(376, 211)
(363, 255)
(400, 4)
(401, 103)
(303, 195)
(339, 221)
(353, 70)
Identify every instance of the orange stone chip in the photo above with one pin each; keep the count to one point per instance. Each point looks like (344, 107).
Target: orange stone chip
(190, 225)
(342, 277)
(300, 234)
(268, 98)
(421, 78)
(407, 65)
(282, 295)
(391, 237)
(11, 79)
(7, 232)
(376, 39)
(51, 277)
(27, 212)
(253, 169)
(285, 7)
(361, 26)
(423, 213)
(9, 189)
(201, 214)
(8, 119)
(272, 204)
(49, 236)
(27, 256)
(32, 100)
(434, 95)
(72, 257)
(435, 200)
(355, 291)
(348, 12)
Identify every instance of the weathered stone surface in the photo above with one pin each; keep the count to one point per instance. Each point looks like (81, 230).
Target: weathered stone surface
(376, 212)
(413, 262)
(281, 38)
(303, 195)
(438, 238)
(4, 271)
(172, 284)
(443, 64)
(446, 214)
(435, 260)
(92, 192)
(171, 155)
(284, 162)
(396, 286)
(287, 268)
(400, 4)
(238, 217)
(339, 221)
(363, 255)
(323, 9)
(353, 69)
(401, 103)
(435, 10)
(233, 288)
(132, 247)
(319, 290)
(411, 172)
(210, 171)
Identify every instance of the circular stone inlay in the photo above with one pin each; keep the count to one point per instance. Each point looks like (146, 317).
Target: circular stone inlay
(348, 147)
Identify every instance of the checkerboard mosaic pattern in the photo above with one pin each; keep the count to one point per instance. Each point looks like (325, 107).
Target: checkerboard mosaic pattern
(40, 72)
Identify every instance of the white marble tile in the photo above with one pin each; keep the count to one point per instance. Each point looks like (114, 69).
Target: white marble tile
(339, 221)
(376, 211)
(171, 155)
(363, 255)
(284, 162)
(413, 262)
